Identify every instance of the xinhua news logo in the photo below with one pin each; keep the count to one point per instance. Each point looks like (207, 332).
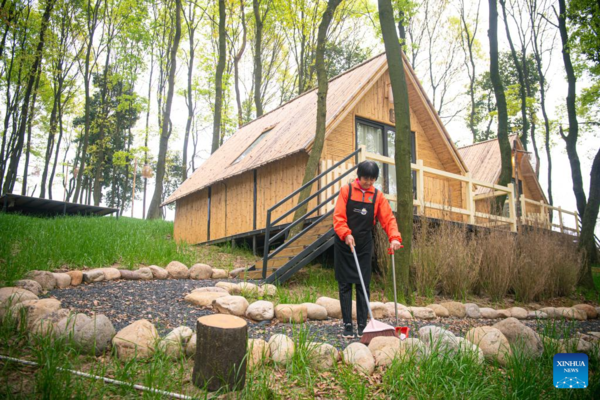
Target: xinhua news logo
(570, 371)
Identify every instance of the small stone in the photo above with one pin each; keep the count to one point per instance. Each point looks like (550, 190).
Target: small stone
(31, 285)
(219, 274)
(422, 312)
(210, 289)
(440, 311)
(190, 347)
(44, 278)
(588, 309)
(379, 310)
(359, 356)
(291, 313)
(472, 310)
(520, 335)
(269, 290)
(95, 336)
(323, 356)
(518, 312)
(201, 271)
(110, 273)
(94, 275)
(403, 312)
(145, 273)
(281, 348)
(595, 334)
(455, 309)
(537, 315)
(178, 270)
(333, 307)
(234, 305)
(471, 349)
(489, 313)
(248, 289)
(258, 352)
(550, 312)
(130, 275)
(232, 288)
(413, 347)
(315, 311)
(438, 338)
(571, 313)
(76, 277)
(260, 311)
(136, 340)
(175, 342)
(159, 272)
(492, 342)
(203, 299)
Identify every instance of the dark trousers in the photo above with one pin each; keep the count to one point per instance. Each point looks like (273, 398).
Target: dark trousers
(361, 303)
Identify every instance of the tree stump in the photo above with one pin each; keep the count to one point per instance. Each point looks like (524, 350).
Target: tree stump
(220, 360)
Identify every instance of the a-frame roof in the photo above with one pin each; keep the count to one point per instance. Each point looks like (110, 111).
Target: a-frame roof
(485, 163)
(292, 127)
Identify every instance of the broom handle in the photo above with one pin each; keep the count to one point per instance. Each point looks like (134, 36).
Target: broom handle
(394, 278)
(362, 283)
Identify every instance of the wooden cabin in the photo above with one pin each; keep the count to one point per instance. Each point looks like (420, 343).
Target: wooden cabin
(264, 161)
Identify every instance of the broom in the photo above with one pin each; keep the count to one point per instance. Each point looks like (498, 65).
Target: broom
(374, 328)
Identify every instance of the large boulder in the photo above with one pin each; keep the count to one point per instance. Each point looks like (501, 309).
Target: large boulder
(203, 299)
(518, 312)
(455, 309)
(136, 340)
(438, 338)
(359, 356)
(44, 278)
(93, 275)
(422, 312)
(333, 307)
(219, 274)
(232, 288)
(588, 309)
(520, 335)
(37, 309)
(258, 352)
(234, 305)
(95, 336)
(384, 349)
(173, 345)
(110, 273)
(440, 311)
(492, 342)
(46, 325)
(291, 313)
(315, 311)
(9, 296)
(261, 310)
(71, 324)
(281, 348)
(29, 284)
(323, 356)
(159, 272)
(76, 277)
(489, 313)
(201, 271)
(472, 310)
(178, 270)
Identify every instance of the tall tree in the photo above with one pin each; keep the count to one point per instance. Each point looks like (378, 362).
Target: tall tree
(236, 62)
(505, 150)
(218, 110)
(323, 85)
(402, 143)
(261, 9)
(165, 131)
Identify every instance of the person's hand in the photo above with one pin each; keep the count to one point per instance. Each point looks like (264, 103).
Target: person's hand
(350, 241)
(396, 245)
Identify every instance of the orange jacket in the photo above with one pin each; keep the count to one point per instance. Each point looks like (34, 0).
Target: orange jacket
(383, 211)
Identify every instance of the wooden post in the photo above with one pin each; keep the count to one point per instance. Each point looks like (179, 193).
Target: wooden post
(470, 202)
(512, 207)
(421, 187)
(220, 360)
(576, 222)
(560, 220)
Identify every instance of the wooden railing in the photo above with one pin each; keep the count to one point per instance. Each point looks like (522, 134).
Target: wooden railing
(543, 217)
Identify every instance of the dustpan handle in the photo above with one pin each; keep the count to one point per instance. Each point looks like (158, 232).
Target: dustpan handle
(362, 283)
(391, 252)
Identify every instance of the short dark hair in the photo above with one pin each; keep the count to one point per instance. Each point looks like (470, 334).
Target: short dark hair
(368, 169)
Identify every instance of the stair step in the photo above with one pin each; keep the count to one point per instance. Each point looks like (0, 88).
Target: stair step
(257, 274)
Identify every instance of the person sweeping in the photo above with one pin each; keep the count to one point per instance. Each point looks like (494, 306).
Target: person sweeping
(358, 208)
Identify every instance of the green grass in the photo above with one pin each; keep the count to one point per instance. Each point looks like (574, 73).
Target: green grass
(74, 242)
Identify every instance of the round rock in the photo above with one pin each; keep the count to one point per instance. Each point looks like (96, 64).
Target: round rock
(234, 305)
(136, 340)
(260, 311)
(203, 299)
(31, 285)
(201, 271)
(76, 277)
(315, 311)
(44, 278)
(359, 356)
(492, 342)
(178, 270)
(159, 272)
(95, 336)
(455, 309)
(219, 274)
(281, 348)
(440, 311)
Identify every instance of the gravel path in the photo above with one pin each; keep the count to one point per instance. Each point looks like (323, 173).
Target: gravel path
(161, 302)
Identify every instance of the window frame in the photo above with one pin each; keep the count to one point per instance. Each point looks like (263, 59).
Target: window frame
(251, 146)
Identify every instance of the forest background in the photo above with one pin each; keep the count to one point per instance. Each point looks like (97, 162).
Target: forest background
(86, 84)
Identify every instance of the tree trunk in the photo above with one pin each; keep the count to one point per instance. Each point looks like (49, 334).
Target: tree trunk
(147, 128)
(571, 138)
(219, 79)
(29, 128)
(505, 150)
(257, 58)
(189, 97)
(153, 209)
(323, 85)
(236, 61)
(11, 174)
(587, 241)
(98, 178)
(402, 144)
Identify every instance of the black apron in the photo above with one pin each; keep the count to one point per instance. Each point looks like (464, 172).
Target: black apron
(360, 221)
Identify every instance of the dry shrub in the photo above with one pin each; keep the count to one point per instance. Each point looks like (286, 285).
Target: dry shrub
(564, 266)
(427, 255)
(498, 262)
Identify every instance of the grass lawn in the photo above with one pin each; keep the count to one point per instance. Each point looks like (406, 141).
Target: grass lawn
(74, 242)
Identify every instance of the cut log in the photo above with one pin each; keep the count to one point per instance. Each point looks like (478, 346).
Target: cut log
(220, 360)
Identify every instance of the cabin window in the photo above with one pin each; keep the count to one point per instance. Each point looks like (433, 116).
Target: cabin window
(379, 138)
(252, 145)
